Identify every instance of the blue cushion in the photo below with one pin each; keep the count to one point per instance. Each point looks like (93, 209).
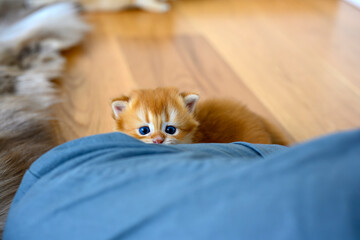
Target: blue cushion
(112, 186)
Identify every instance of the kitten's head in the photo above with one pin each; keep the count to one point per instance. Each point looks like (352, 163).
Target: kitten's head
(161, 116)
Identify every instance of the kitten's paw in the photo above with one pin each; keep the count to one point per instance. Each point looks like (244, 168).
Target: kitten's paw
(153, 6)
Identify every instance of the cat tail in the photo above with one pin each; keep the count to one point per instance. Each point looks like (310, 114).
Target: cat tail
(277, 136)
(29, 59)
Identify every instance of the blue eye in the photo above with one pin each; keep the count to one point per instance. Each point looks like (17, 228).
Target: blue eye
(170, 130)
(144, 130)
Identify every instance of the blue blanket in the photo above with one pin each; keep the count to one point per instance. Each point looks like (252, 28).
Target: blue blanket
(112, 186)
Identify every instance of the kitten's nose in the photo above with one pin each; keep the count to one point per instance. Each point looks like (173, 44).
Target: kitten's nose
(158, 140)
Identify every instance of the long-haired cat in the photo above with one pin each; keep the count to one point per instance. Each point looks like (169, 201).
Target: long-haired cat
(168, 116)
(30, 43)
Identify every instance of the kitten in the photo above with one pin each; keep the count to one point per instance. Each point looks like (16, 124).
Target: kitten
(168, 116)
(110, 5)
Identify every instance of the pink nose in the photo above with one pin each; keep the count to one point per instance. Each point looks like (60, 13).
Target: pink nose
(158, 140)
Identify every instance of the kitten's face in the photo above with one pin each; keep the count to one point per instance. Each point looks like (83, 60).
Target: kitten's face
(160, 116)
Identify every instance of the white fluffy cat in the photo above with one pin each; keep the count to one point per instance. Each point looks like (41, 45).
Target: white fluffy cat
(110, 5)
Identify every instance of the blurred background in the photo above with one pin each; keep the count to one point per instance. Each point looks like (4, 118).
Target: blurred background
(296, 62)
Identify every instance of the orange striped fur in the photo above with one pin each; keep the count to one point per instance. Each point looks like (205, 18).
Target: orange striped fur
(163, 109)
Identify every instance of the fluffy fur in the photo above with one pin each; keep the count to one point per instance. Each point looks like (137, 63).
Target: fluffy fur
(111, 5)
(210, 121)
(30, 42)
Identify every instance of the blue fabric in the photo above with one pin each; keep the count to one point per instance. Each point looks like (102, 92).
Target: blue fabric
(114, 187)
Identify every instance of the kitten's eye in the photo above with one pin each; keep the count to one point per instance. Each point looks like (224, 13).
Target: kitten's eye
(170, 130)
(144, 130)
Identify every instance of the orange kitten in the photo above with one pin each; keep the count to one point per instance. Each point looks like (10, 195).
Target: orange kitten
(167, 116)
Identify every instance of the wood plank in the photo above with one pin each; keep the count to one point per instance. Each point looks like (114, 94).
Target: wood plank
(300, 89)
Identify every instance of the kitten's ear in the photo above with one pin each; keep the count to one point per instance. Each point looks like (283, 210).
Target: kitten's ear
(118, 105)
(190, 100)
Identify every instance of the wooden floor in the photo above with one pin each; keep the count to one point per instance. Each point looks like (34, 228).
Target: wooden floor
(296, 62)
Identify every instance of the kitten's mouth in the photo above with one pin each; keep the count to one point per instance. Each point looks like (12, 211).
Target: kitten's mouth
(162, 141)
